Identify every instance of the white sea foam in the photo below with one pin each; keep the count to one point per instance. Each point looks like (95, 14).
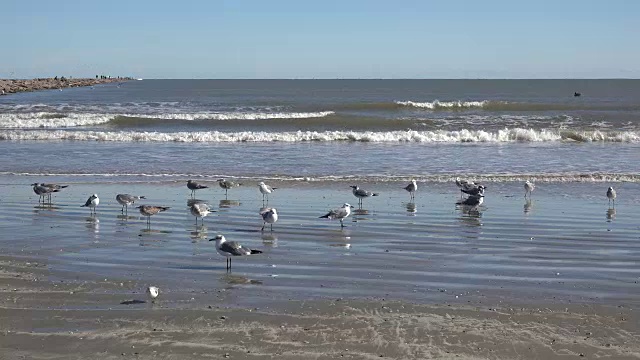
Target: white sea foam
(237, 115)
(569, 177)
(438, 136)
(452, 105)
(33, 120)
(51, 120)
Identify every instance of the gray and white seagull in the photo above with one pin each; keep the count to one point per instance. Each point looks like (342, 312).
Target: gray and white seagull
(193, 186)
(269, 216)
(229, 249)
(412, 188)
(148, 211)
(265, 190)
(92, 202)
(361, 193)
(126, 199)
(611, 195)
(339, 213)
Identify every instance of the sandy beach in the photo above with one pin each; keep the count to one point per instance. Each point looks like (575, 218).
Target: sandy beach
(9, 86)
(46, 319)
(400, 281)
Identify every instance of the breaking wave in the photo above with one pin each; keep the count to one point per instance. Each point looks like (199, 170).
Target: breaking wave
(438, 136)
(444, 105)
(494, 105)
(61, 120)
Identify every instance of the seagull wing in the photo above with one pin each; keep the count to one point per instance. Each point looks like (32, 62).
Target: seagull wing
(234, 248)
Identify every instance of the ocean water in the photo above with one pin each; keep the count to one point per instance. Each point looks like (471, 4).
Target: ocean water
(312, 139)
(431, 130)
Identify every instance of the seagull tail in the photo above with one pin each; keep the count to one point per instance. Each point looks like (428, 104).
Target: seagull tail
(64, 186)
(141, 197)
(324, 216)
(164, 208)
(375, 194)
(253, 251)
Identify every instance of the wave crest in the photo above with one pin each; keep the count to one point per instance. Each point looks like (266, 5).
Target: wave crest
(36, 120)
(444, 105)
(438, 136)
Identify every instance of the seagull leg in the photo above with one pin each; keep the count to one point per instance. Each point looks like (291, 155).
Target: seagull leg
(271, 227)
(263, 224)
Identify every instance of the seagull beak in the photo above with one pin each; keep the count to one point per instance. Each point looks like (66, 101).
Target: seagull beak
(214, 239)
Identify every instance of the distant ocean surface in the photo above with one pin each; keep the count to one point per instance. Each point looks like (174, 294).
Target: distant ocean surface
(326, 130)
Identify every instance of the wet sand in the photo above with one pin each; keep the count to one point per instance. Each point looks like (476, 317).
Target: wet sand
(9, 86)
(45, 319)
(551, 279)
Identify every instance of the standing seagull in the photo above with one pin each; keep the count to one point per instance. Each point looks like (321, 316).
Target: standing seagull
(473, 189)
(226, 185)
(200, 210)
(528, 188)
(340, 213)
(231, 248)
(153, 292)
(148, 211)
(265, 190)
(92, 203)
(412, 188)
(42, 191)
(611, 195)
(361, 193)
(53, 188)
(464, 184)
(269, 216)
(125, 200)
(472, 202)
(193, 186)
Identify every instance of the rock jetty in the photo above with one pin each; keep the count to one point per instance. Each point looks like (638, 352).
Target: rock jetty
(8, 86)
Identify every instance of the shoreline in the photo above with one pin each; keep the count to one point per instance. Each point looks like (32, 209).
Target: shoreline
(13, 86)
(114, 318)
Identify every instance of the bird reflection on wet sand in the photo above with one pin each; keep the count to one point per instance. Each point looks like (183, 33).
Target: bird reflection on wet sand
(611, 214)
(528, 205)
(269, 240)
(228, 203)
(411, 208)
(232, 279)
(198, 234)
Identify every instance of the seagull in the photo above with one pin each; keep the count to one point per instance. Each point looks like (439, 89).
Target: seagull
(42, 191)
(53, 188)
(412, 188)
(92, 202)
(153, 292)
(464, 184)
(231, 248)
(473, 201)
(148, 211)
(611, 194)
(265, 190)
(200, 210)
(340, 213)
(193, 186)
(529, 187)
(125, 200)
(269, 216)
(226, 185)
(361, 194)
(473, 189)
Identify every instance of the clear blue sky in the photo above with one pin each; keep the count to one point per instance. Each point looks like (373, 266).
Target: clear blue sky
(321, 38)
